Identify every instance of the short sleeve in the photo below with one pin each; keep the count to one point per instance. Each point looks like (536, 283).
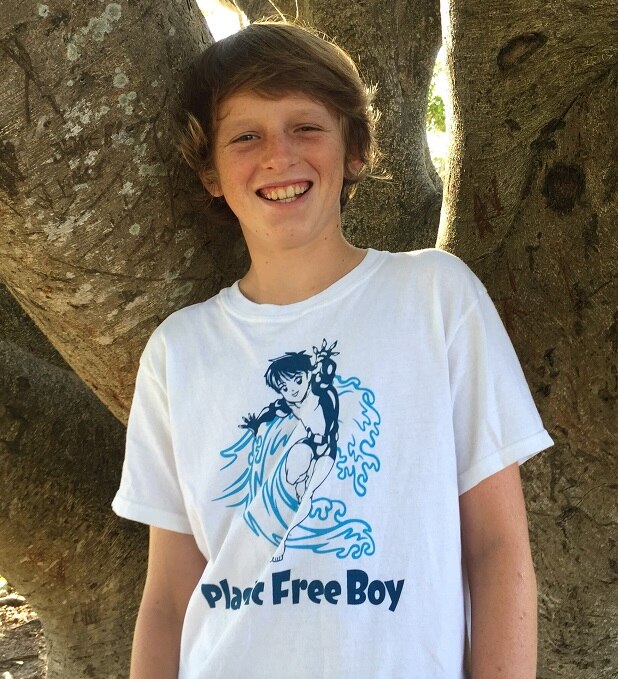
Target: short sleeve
(495, 420)
(149, 488)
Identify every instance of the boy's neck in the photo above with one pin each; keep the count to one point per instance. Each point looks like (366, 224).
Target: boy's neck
(298, 274)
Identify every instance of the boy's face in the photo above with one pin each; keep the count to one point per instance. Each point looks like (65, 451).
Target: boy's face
(294, 389)
(280, 167)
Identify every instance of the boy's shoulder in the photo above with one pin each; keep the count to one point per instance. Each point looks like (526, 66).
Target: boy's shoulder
(434, 267)
(192, 314)
(430, 259)
(184, 323)
(435, 283)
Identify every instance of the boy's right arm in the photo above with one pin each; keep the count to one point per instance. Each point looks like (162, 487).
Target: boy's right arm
(175, 565)
(277, 408)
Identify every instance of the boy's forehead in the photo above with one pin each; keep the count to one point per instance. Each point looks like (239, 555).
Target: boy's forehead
(237, 105)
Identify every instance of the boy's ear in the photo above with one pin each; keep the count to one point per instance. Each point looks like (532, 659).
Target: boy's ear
(211, 184)
(355, 165)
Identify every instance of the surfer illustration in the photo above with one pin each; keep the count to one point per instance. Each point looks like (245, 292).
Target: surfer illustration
(320, 425)
(307, 393)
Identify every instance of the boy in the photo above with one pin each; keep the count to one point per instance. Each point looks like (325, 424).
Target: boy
(308, 394)
(407, 447)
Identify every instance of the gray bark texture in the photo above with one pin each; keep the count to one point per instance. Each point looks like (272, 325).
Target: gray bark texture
(80, 566)
(531, 204)
(100, 240)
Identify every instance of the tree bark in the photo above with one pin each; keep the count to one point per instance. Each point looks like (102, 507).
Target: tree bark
(101, 241)
(79, 565)
(531, 205)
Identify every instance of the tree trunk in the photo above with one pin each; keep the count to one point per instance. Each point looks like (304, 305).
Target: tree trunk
(101, 243)
(532, 207)
(100, 240)
(80, 566)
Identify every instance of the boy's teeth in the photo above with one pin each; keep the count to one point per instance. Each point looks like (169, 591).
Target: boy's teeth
(285, 193)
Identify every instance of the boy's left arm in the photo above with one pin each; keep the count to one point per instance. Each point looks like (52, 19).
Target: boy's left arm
(496, 553)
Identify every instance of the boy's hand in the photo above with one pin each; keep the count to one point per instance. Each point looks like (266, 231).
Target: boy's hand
(250, 422)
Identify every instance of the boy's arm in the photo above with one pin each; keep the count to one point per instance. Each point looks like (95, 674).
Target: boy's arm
(175, 565)
(324, 367)
(278, 408)
(497, 557)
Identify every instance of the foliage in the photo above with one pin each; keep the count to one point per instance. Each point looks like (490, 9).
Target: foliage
(436, 121)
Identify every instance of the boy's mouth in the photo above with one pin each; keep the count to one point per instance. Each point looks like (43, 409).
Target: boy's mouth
(285, 194)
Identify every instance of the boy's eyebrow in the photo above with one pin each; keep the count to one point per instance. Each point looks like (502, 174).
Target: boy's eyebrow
(301, 113)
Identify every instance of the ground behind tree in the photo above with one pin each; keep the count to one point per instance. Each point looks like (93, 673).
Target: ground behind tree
(22, 644)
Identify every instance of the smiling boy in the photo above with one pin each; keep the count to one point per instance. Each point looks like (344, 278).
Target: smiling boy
(408, 447)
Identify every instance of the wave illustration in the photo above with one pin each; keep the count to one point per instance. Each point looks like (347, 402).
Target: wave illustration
(256, 466)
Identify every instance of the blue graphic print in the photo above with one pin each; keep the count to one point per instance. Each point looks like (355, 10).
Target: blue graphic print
(291, 447)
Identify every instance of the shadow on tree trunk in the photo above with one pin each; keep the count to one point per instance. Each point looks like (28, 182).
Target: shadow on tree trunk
(80, 567)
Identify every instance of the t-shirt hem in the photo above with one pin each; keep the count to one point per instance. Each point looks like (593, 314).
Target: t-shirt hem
(159, 518)
(517, 452)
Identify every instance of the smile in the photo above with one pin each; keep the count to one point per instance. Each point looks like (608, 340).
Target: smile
(285, 194)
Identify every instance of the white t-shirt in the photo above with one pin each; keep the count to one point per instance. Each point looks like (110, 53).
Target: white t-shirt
(317, 452)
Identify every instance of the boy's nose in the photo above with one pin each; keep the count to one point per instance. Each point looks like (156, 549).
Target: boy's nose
(279, 152)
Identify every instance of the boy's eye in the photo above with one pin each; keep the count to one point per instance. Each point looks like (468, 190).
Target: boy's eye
(244, 137)
(308, 128)
(298, 380)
